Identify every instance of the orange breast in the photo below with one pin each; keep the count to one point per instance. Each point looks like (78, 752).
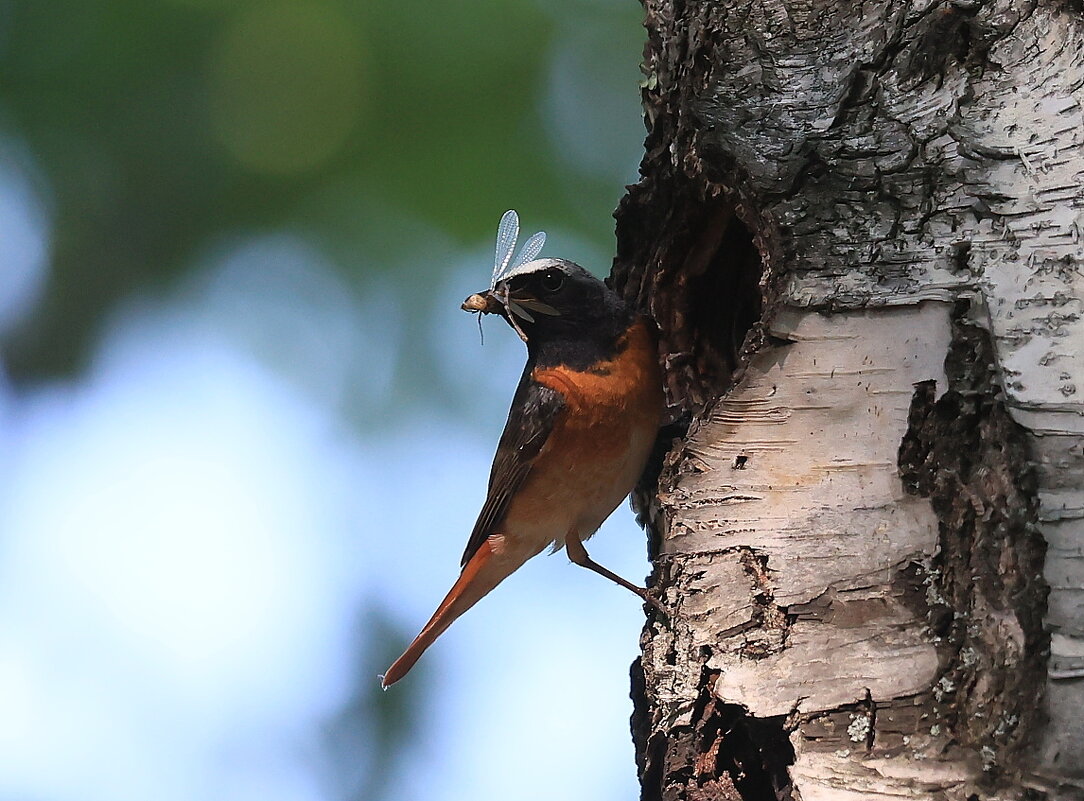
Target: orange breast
(603, 403)
(598, 447)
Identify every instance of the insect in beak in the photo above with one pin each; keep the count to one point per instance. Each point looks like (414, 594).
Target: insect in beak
(482, 303)
(493, 301)
(496, 300)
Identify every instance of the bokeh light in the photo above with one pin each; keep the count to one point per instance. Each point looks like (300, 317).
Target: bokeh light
(287, 85)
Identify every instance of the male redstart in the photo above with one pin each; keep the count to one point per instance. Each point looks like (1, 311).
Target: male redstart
(582, 424)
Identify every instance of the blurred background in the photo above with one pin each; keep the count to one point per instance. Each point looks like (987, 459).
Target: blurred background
(245, 428)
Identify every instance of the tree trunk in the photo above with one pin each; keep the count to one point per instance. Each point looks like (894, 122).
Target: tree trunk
(859, 231)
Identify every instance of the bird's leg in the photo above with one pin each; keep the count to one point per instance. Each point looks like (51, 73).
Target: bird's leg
(578, 554)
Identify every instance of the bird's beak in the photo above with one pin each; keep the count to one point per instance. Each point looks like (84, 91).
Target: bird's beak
(483, 302)
(521, 304)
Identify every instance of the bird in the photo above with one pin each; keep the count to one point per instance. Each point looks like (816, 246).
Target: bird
(581, 426)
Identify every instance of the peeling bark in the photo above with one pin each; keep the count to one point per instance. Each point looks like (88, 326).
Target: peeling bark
(859, 231)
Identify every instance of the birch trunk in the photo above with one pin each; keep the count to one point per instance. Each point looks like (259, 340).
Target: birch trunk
(859, 230)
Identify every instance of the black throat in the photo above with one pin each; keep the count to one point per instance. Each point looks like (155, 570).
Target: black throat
(580, 350)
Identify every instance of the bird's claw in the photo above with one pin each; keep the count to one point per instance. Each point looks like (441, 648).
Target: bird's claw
(652, 598)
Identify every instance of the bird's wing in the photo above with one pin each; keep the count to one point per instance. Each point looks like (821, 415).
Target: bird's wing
(534, 411)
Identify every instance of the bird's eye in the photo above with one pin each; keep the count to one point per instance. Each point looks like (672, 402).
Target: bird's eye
(552, 280)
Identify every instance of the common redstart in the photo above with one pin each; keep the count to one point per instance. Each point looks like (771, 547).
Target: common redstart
(582, 424)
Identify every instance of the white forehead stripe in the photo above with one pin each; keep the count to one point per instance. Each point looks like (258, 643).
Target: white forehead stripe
(531, 267)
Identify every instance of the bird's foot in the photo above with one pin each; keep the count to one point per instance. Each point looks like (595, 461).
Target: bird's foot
(653, 598)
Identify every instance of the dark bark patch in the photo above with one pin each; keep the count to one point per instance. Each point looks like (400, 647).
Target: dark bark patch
(725, 754)
(943, 35)
(648, 764)
(985, 588)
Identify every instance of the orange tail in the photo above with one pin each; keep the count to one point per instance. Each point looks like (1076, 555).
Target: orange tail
(485, 570)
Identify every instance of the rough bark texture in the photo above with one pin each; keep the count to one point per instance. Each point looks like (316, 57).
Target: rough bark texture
(859, 230)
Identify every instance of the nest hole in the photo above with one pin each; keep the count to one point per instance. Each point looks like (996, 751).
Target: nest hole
(698, 261)
(710, 308)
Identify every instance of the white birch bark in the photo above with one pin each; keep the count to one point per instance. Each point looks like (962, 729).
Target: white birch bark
(851, 537)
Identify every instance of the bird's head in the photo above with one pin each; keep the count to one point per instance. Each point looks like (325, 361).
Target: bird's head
(552, 298)
(547, 300)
